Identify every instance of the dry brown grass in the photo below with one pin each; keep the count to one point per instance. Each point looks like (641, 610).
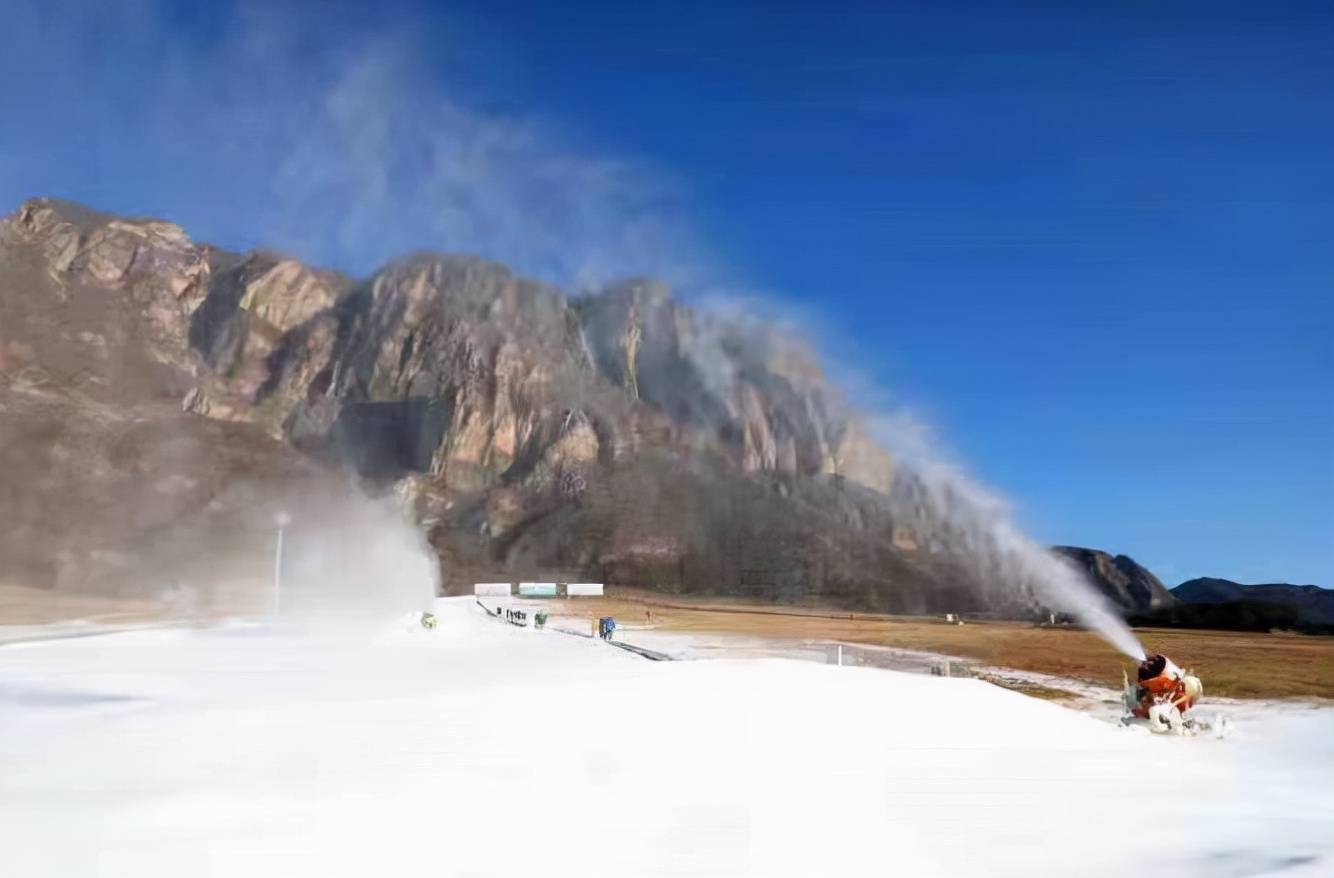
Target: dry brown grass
(1230, 663)
(22, 605)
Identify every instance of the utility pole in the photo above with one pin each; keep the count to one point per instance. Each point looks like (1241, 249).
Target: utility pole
(282, 520)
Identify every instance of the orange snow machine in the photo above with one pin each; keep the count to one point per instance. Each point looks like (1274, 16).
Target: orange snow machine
(1162, 695)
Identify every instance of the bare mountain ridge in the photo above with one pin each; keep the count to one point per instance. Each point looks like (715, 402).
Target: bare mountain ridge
(1314, 604)
(1130, 587)
(616, 435)
(1137, 592)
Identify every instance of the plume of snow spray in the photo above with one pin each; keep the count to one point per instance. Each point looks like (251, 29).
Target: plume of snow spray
(354, 563)
(1060, 585)
(980, 526)
(957, 514)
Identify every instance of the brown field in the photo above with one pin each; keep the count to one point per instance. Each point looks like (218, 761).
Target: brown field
(1231, 663)
(23, 605)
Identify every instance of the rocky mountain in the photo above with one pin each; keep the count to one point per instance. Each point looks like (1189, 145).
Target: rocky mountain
(160, 398)
(1130, 587)
(105, 484)
(1314, 605)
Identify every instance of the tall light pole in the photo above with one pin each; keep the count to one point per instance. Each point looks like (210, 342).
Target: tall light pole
(282, 520)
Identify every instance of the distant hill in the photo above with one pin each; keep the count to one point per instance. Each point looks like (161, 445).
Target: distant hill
(1130, 586)
(1314, 605)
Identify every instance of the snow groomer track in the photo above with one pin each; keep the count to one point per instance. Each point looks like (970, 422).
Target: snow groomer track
(649, 654)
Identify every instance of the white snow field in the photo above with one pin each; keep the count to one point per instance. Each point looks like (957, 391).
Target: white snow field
(485, 749)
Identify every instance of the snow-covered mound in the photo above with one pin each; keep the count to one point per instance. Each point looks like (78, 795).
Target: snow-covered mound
(480, 748)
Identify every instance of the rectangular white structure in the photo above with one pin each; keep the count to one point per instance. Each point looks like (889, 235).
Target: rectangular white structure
(537, 589)
(492, 589)
(583, 589)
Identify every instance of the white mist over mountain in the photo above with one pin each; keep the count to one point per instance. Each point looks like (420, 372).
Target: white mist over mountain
(982, 522)
(1007, 564)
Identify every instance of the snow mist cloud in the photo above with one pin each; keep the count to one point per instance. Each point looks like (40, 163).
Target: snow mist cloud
(1008, 565)
(1006, 559)
(347, 149)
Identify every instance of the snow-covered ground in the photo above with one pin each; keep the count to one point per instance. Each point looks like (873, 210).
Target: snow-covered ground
(486, 749)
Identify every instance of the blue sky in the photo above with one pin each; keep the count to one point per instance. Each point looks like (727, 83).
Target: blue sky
(1087, 243)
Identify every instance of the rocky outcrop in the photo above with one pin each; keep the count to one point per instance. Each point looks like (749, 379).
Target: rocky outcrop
(154, 262)
(1130, 587)
(299, 350)
(761, 393)
(106, 484)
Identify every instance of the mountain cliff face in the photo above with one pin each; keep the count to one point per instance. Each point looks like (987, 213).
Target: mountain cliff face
(105, 484)
(1130, 587)
(617, 435)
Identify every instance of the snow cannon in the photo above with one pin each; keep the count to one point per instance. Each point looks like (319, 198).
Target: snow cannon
(1162, 696)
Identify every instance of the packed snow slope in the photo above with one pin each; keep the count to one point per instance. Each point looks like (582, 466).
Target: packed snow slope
(485, 749)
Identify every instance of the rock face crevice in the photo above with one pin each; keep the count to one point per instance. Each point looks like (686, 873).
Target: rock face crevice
(616, 434)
